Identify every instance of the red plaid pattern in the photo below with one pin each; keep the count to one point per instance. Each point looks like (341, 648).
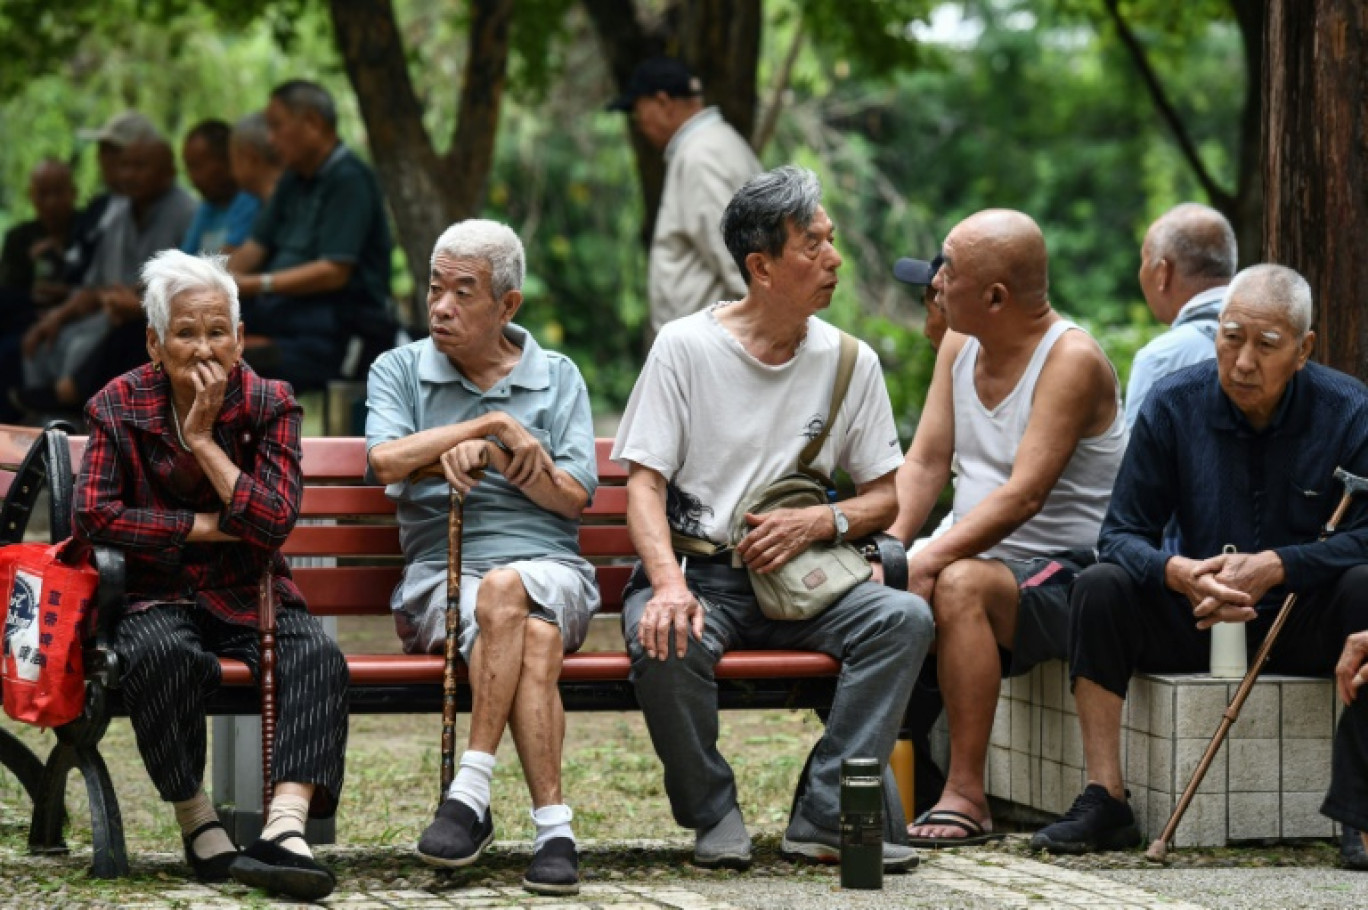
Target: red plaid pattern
(139, 490)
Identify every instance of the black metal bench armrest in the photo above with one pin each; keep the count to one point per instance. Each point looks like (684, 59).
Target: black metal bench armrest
(47, 464)
(102, 663)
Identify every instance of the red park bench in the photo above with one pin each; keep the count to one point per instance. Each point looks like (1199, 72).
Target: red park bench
(345, 518)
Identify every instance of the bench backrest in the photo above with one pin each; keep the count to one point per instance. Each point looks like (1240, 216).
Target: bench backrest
(345, 520)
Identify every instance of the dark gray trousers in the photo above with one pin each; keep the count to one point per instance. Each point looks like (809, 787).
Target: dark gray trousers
(880, 635)
(170, 658)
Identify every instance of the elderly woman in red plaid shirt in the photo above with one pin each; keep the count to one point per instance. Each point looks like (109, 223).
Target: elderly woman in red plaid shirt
(192, 469)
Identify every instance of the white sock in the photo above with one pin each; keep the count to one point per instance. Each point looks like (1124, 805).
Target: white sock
(288, 815)
(471, 785)
(552, 821)
(195, 813)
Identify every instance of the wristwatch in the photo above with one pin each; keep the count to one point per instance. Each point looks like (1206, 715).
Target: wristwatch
(842, 523)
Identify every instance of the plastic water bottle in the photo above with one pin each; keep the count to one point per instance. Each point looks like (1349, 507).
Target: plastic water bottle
(861, 823)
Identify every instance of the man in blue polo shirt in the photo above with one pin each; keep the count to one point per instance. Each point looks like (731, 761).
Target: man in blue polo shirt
(480, 394)
(315, 272)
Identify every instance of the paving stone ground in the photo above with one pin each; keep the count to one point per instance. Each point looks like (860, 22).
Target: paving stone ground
(654, 875)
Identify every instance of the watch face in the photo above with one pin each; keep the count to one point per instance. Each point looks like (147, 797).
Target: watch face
(842, 523)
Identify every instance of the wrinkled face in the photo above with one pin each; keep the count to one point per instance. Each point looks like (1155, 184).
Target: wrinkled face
(200, 330)
(1257, 354)
(805, 272)
(208, 171)
(294, 136)
(958, 294)
(53, 196)
(653, 118)
(464, 316)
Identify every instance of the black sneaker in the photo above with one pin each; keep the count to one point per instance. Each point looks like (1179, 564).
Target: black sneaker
(554, 869)
(1095, 821)
(456, 837)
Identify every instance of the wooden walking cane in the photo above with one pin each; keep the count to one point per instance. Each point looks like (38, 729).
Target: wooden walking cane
(1158, 851)
(266, 625)
(453, 627)
(455, 521)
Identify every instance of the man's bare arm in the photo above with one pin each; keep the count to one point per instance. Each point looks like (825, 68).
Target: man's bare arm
(247, 258)
(394, 460)
(555, 491)
(926, 469)
(672, 606)
(317, 277)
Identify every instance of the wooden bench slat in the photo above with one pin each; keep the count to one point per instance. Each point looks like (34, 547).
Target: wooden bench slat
(585, 666)
(362, 501)
(374, 540)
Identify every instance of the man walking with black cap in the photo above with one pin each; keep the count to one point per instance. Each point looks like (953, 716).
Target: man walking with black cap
(706, 162)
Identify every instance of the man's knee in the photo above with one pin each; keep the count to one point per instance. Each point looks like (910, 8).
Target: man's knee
(543, 651)
(1098, 592)
(502, 602)
(965, 588)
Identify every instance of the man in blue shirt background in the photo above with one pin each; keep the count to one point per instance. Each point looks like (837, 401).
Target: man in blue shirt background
(224, 218)
(1239, 453)
(1186, 261)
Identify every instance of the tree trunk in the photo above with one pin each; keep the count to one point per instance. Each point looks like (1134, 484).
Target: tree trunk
(1246, 208)
(426, 192)
(1315, 78)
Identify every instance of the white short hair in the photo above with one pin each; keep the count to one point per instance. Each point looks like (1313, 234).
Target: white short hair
(496, 243)
(1275, 287)
(171, 273)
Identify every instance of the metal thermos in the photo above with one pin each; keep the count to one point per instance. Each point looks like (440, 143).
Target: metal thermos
(1229, 659)
(861, 823)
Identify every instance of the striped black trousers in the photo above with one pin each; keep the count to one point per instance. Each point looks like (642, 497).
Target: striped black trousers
(170, 665)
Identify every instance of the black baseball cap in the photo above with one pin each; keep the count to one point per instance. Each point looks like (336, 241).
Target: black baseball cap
(917, 271)
(659, 74)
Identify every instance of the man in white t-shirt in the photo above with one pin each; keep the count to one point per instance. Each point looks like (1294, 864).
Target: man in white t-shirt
(727, 400)
(1027, 407)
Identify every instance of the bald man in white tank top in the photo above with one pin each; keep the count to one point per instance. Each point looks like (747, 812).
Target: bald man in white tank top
(1029, 407)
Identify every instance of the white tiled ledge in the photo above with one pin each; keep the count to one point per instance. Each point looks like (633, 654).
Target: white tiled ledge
(1266, 783)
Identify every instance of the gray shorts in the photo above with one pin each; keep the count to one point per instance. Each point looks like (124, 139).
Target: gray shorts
(562, 589)
(1043, 616)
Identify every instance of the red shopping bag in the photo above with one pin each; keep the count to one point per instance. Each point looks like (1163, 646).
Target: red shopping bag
(50, 589)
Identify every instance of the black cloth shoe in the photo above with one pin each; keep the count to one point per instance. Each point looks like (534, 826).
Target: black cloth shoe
(210, 868)
(456, 837)
(270, 867)
(1094, 822)
(554, 868)
(1352, 854)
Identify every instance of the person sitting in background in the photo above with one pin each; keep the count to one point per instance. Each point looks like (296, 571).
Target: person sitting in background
(1186, 261)
(256, 166)
(1240, 455)
(192, 469)
(32, 269)
(480, 393)
(78, 346)
(317, 265)
(921, 273)
(111, 139)
(224, 217)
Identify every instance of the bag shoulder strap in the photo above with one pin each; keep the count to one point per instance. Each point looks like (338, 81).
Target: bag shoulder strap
(845, 368)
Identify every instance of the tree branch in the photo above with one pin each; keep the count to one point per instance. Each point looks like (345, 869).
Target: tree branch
(781, 82)
(471, 156)
(1219, 197)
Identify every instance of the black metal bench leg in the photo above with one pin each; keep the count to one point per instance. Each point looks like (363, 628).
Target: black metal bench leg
(21, 762)
(110, 858)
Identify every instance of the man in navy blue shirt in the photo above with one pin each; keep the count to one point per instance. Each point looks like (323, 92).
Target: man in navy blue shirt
(1241, 453)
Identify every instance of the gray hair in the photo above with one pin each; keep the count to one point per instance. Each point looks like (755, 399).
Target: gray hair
(757, 218)
(1275, 287)
(251, 131)
(300, 95)
(495, 243)
(1198, 240)
(171, 273)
